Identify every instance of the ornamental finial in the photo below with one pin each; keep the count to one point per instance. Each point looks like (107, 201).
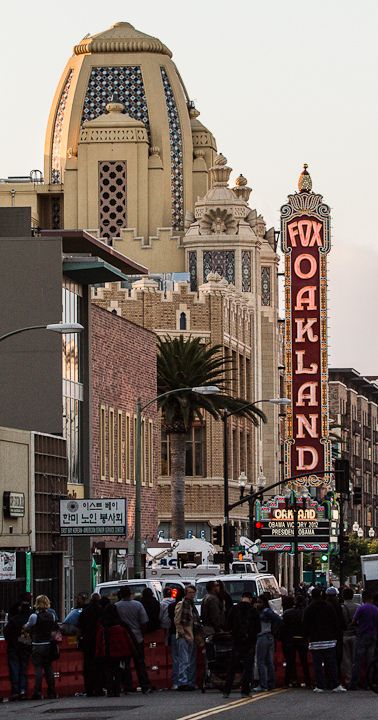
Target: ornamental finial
(304, 181)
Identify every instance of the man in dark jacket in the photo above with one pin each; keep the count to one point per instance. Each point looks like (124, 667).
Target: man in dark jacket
(244, 624)
(212, 613)
(320, 626)
(88, 620)
(293, 642)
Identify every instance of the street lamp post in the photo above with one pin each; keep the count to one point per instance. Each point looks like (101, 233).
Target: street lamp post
(202, 390)
(226, 504)
(261, 480)
(371, 533)
(61, 328)
(291, 501)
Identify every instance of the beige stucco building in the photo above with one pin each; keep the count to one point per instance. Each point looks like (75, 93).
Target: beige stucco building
(128, 160)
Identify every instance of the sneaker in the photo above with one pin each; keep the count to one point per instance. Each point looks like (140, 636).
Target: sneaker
(339, 688)
(316, 689)
(174, 687)
(245, 695)
(258, 688)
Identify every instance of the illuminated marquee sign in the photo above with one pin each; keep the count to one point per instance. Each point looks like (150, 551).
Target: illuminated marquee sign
(305, 236)
(277, 531)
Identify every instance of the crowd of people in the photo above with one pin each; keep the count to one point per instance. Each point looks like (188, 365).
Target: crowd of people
(340, 634)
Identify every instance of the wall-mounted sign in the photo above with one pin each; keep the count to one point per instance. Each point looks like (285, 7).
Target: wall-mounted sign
(305, 233)
(105, 516)
(13, 504)
(278, 525)
(7, 565)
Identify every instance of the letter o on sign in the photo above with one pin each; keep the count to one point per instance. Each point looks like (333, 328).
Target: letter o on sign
(298, 266)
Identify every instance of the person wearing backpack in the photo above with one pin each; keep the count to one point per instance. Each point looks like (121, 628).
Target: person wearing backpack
(270, 625)
(244, 624)
(348, 609)
(41, 624)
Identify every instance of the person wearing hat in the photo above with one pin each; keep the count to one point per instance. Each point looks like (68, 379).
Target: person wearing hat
(332, 596)
(320, 627)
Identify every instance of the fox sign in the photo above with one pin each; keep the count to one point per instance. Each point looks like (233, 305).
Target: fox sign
(305, 242)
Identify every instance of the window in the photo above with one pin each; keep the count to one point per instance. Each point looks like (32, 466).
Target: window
(182, 321)
(102, 442)
(127, 450)
(111, 444)
(73, 391)
(150, 453)
(194, 453)
(134, 447)
(119, 445)
(143, 452)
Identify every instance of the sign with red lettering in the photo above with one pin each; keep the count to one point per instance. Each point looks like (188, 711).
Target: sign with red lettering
(305, 242)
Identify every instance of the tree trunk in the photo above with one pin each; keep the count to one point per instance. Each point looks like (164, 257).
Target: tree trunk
(178, 485)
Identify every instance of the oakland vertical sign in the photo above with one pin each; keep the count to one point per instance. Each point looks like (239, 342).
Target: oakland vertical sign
(305, 233)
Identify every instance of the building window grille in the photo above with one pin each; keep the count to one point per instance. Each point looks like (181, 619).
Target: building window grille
(56, 170)
(193, 270)
(112, 198)
(177, 178)
(266, 298)
(221, 262)
(246, 270)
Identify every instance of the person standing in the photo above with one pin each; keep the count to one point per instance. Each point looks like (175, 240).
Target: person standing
(320, 626)
(41, 624)
(348, 608)
(18, 650)
(87, 621)
(188, 625)
(270, 621)
(293, 642)
(244, 624)
(133, 614)
(366, 622)
(152, 608)
(172, 640)
(332, 596)
(212, 612)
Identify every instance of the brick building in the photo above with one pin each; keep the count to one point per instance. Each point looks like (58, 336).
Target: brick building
(353, 404)
(117, 381)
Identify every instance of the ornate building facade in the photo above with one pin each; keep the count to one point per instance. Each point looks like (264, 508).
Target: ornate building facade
(128, 160)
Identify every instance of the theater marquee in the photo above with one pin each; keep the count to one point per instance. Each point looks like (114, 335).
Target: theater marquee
(305, 233)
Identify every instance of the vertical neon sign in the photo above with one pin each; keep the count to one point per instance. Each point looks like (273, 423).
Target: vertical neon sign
(305, 234)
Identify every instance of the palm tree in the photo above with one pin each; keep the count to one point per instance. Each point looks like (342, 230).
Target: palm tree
(186, 363)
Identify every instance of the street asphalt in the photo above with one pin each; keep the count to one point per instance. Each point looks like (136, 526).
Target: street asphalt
(171, 705)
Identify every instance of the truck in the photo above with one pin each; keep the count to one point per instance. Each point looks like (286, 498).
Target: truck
(369, 567)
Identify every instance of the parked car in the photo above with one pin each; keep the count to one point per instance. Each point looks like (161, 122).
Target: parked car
(110, 589)
(237, 584)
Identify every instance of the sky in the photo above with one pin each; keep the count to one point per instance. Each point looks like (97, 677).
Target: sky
(278, 83)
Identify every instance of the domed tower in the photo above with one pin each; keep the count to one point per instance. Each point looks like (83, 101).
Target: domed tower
(120, 140)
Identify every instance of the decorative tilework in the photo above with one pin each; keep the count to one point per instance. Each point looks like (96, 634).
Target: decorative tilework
(265, 285)
(112, 198)
(221, 262)
(193, 270)
(177, 180)
(246, 270)
(56, 212)
(126, 82)
(56, 172)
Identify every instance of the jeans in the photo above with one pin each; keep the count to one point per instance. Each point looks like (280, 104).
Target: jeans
(364, 651)
(265, 661)
(18, 667)
(290, 649)
(349, 645)
(187, 652)
(42, 663)
(328, 657)
(245, 658)
(175, 661)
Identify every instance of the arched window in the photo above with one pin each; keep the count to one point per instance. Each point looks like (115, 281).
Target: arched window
(182, 321)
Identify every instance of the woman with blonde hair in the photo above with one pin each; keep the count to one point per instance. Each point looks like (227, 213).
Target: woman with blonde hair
(40, 625)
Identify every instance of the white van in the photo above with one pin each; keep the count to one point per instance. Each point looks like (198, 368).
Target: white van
(236, 585)
(110, 589)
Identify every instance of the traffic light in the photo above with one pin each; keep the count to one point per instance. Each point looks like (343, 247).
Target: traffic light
(241, 554)
(357, 495)
(342, 478)
(232, 535)
(258, 527)
(216, 535)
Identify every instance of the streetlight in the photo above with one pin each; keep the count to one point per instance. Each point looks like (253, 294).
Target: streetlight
(355, 527)
(61, 328)
(371, 533)
(360, 532)
(201, 390)
(261, 482)
(225, 416)
(291, 501)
